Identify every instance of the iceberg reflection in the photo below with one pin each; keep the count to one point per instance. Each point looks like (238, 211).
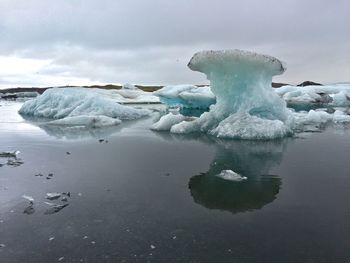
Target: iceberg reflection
(253, 159)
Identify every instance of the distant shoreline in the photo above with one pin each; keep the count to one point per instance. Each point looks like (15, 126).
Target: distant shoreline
(147, 88)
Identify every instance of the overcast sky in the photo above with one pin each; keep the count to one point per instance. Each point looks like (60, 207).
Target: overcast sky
(72, 42)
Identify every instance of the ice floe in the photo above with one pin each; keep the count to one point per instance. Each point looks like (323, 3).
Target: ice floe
(81, 106)
(332, 94)
(186, 96)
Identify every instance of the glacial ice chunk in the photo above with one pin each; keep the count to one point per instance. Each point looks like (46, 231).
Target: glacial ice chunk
(331, 94)
(80, 106)
(246, 105)
(186, 96)
(167, 121)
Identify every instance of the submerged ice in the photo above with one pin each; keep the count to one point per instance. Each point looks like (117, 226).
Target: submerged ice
(246, 105)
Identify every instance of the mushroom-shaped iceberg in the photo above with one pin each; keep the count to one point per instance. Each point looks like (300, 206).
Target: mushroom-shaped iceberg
(246, 106)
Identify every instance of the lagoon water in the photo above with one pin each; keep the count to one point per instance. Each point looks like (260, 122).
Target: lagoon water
(143, 196)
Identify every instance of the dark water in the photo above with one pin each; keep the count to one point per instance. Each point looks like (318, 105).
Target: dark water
(154, 197)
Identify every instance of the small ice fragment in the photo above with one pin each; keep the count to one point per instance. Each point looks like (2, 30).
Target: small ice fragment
(64, 199)
(29, 198)
(93, 242)
(14, 163)
(153, 247)
(80, 194)
(174, 237)
(51, 238)
(55, 209)
(9, 154)
(2, 245)
(67, 194)
(61, 258)
(85, 237)
(49, 203)
(53, 196)
(230, 176)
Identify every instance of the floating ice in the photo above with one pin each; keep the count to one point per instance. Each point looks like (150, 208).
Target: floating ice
(186, 96)
(53, 196)
(231, 176)
(332, 94)
(320, 117)
(55, 209)
(15, 95)
(167, 121)
(29, 198)
(80, 105)
(246, 105)
(9, 154)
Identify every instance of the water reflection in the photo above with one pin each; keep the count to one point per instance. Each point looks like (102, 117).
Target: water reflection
(253, 159)
(79, 132)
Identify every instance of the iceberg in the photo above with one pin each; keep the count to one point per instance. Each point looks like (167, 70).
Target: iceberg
(80, 106)
(246, 105)
(186, 96)
(337, 95)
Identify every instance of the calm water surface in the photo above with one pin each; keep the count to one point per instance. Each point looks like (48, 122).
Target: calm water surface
(154, 197)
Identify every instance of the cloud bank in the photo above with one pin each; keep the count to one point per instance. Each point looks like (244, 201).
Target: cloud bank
(150, 42)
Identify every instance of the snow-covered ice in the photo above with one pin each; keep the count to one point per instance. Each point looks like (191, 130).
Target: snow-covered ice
(81, 106)
(186, 96)
(167, 121)
(246, 105)
(331, 94)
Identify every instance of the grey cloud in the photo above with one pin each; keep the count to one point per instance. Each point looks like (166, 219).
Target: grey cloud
(151, 41)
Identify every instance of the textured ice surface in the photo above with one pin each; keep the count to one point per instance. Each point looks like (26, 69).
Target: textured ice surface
(320, 117)
(186, 96)
(80, 106)
(231, 176)
(167, 121)
(189, 96)
(335, 94)
(246, 105)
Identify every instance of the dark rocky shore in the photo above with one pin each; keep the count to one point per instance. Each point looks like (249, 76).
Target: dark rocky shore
(148, 88)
